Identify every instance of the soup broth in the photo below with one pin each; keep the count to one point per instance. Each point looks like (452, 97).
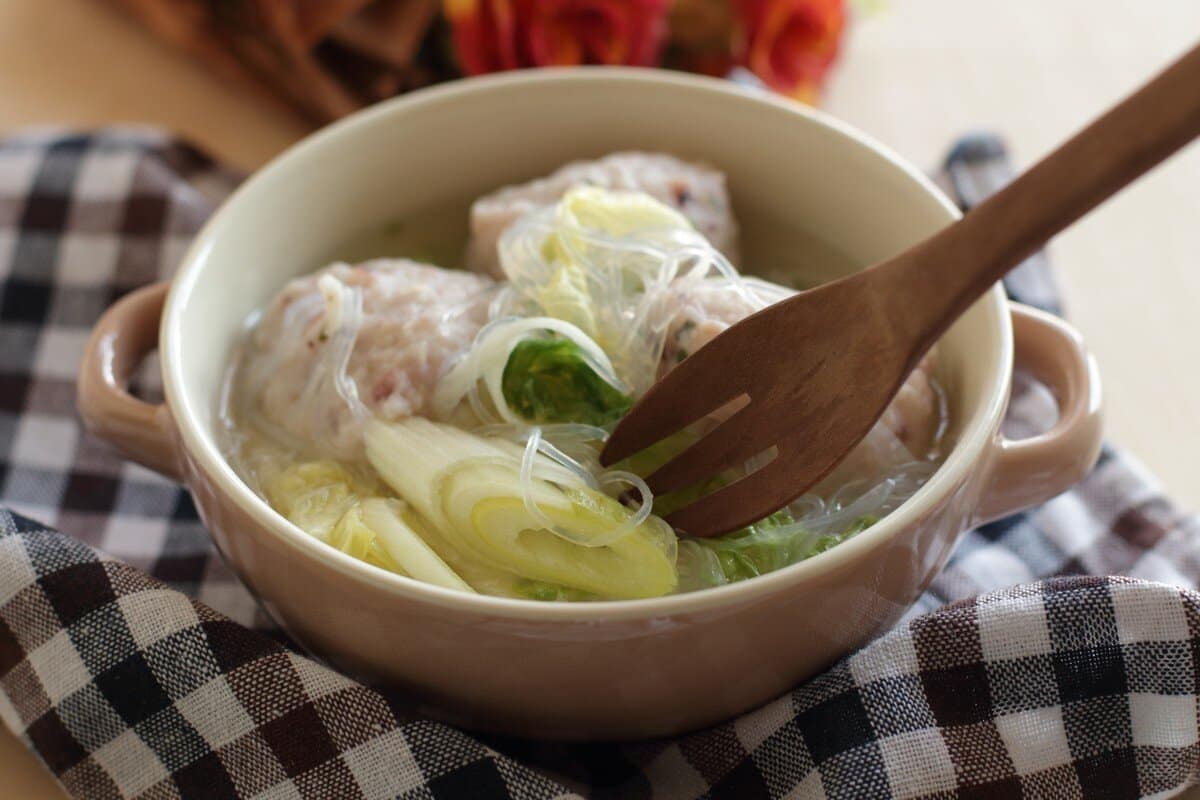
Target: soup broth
(322, 489)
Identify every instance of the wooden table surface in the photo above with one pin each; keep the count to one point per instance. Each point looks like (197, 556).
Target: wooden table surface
(914, 75)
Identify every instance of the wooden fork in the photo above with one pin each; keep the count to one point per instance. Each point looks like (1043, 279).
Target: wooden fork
(820, 368)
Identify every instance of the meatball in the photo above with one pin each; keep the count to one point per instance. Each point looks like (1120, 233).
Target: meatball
(696, 191)
(313, 368)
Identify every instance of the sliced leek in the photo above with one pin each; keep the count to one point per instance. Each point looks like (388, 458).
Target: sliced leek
(396, 536)
(352, 536)
(325, 500)
(470, 488)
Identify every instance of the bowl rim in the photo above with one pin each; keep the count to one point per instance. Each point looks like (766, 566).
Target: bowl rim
(204, 454)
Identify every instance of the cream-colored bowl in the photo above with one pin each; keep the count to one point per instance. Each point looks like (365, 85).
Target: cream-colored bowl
(596, 670)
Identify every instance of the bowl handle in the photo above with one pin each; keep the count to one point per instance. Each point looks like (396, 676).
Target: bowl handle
(121, 340)
(1027, 472)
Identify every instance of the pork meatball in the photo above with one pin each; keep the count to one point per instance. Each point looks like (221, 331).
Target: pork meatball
(315, 366)
(696, 191)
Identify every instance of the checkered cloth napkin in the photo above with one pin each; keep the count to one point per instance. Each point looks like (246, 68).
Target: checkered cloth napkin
(148, 671)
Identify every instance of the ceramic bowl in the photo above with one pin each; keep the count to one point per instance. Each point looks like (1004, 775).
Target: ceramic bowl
(605, 670)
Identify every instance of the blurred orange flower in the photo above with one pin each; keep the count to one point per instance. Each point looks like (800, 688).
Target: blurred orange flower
(491, 35)
(789, 44)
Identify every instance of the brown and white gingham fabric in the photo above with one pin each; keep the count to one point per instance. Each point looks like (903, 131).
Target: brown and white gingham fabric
(149, 671)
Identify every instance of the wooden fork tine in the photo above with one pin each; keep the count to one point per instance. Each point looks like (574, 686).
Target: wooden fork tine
(730, 444)
(738, 504)
(685, 395)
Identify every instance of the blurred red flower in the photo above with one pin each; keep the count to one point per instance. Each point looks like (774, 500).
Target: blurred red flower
(789, 44)
(491, 35)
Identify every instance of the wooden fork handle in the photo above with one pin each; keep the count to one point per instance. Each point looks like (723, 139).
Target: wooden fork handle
(954, 268)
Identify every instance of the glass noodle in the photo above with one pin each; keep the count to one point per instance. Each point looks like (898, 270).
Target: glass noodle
(612, 276)
(616, 306)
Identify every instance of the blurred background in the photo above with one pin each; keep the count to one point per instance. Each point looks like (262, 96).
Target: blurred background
(245, 78)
